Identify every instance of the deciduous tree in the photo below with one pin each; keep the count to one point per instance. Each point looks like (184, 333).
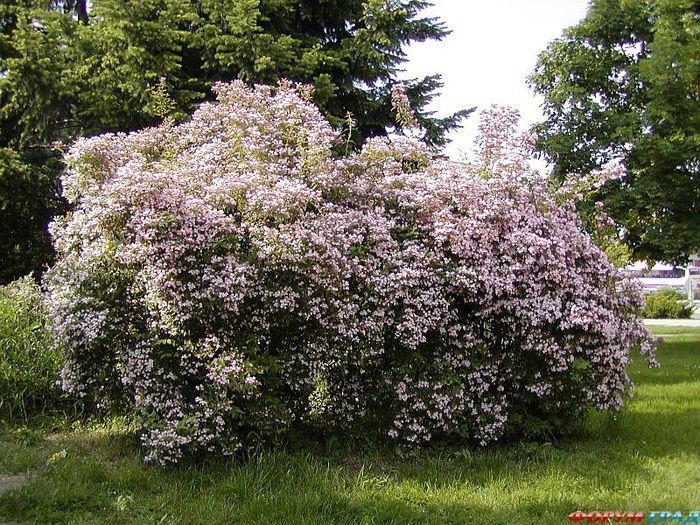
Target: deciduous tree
(624, 84)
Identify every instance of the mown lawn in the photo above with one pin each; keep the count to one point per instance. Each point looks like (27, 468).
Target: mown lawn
(647, 458)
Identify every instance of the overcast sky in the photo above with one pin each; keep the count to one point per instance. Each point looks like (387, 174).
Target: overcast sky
(492, 49)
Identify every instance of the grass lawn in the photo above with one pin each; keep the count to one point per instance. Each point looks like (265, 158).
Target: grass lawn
(646, 458)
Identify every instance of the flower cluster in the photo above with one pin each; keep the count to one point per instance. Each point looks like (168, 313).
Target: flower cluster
(401, 104)
(228, 277)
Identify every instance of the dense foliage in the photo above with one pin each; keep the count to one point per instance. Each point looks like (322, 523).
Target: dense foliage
(666, 303)
(66, 71)
(29, 198)
(623, 84)
(230, 279)
(28, 367)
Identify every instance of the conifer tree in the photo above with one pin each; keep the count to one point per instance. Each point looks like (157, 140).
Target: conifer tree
(69, 69)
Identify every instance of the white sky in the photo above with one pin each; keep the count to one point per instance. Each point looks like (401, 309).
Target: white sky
(486, 59)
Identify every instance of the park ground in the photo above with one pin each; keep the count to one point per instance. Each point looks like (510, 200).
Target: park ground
(645, 458)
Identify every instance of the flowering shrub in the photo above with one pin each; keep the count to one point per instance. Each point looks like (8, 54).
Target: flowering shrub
(229, 278)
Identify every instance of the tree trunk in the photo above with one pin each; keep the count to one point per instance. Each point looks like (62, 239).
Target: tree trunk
(81, 9)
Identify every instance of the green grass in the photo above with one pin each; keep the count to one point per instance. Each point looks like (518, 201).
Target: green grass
(646, 458)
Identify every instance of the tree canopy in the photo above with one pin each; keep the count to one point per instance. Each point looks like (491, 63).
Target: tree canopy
(624, 85)
(66, 71)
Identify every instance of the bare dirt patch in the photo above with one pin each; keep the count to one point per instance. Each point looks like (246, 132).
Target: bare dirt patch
(13, 482)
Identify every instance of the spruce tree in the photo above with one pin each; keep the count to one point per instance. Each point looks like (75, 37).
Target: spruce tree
(68, 70)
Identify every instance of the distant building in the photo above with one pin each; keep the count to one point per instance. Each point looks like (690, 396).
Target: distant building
(685, 279)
